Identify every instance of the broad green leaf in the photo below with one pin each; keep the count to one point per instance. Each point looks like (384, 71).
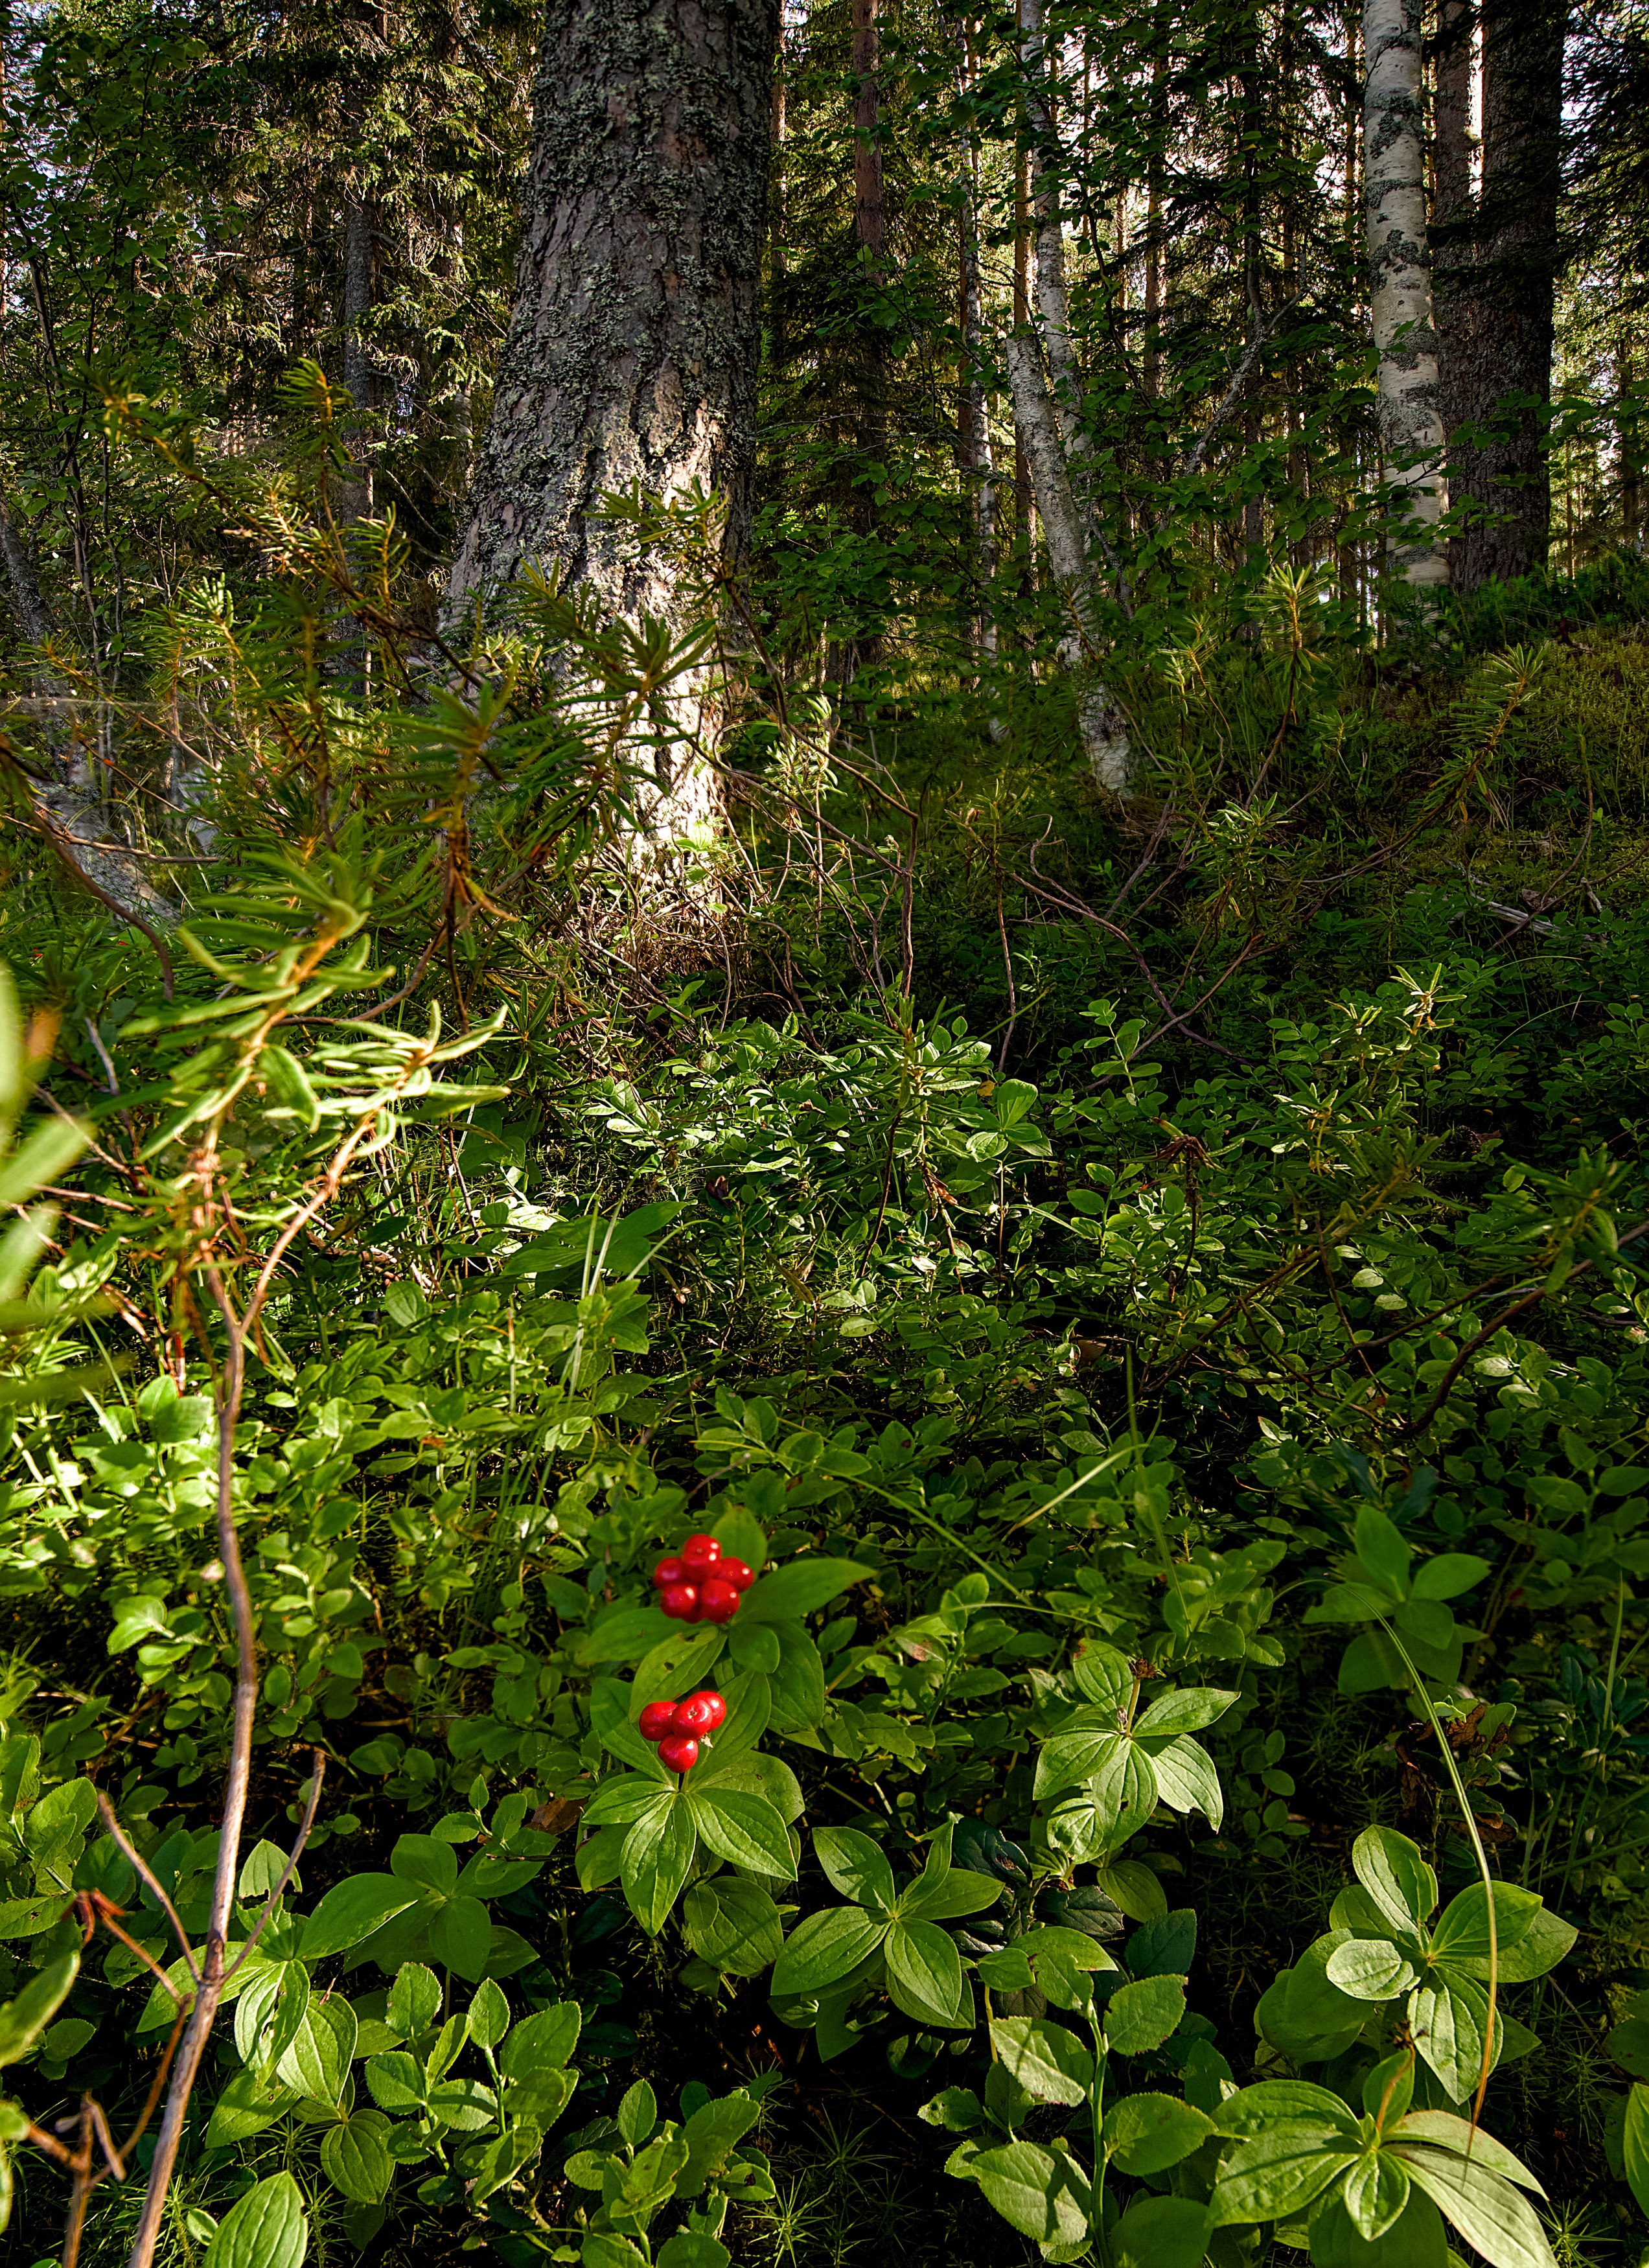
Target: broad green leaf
(657, 1857)
(1445, 2131)
(317, 2061)
(1635, 2145)
(1291, 2101)
(1134, 1887)
(354, 2159)
(712, 2133)
(1461, 1934)
(1383, 1550)
(947, 1898)
(1107, 1678)
(955, 2108)
(626, 1797)
(1139, 2017)
(1161, 2232)
(1449, 1574)
(1449, 2019)
(397, 2082)
(1415, 2239)
(602, 2250)
(677, 1665)
(1071, 1759)
(823, 1949)
(925, 1975)
(1043, 2197)
(1542, 1945)
(1063, 1960)
(1187, 1780)
(733, 1924)
(855, 1867)
(272, 2006)
(1049, 2062)
(1486, 2210)
(1273, 2175)
(23, 2020)
(1124, 1789)
(769, 1776)
(461, 1937)
(414, 2000)
(352, 1910)
(801, 1586)
(1189, 1711)
(638, 2115)
(245, 2108)
(690, 2247)
(429, 1865)
(624, 1634)
(1375, 2192)
(266, 2228)
(1370, 1968)
(541, 2042)
(1395, 1876)
(1147, 2133)
(489, 2017)
(744, 1829)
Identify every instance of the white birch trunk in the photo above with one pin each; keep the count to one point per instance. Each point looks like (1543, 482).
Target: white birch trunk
(1400, 275)
(1051, 434)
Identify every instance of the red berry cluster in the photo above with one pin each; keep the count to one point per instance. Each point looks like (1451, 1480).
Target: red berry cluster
(698, 1584)
(677, 1726)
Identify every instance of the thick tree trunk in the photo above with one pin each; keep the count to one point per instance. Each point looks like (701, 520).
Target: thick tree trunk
(1400, 275)
(1496, 298)
(633, 349)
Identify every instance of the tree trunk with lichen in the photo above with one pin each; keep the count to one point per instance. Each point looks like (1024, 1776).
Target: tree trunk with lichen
(632, 352)
(1399, 276)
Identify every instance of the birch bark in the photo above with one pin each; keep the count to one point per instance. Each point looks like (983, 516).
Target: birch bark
(1047, 389)
(1405, 336)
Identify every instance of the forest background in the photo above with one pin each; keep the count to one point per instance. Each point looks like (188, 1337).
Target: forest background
(1008, 977)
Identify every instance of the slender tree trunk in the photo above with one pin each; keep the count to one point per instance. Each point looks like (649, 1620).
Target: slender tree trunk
(870, 219)
(1154, 163)
(1497, 302)
(778, 273)
(1630, 462)
(358, 367)
(1405, 336)
(1022, 545)
(1048, 411)
(633, 349)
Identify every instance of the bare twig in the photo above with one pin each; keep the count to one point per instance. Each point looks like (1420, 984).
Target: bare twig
(140, 1865)
(319, 1772)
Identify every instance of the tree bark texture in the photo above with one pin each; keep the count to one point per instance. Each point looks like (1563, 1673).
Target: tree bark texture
(1496, 291)
(633, 349)
(869, 205)
(1399, 276)
(357, 368)
(1047, 388)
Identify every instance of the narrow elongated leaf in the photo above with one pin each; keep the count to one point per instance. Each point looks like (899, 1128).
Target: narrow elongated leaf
(801, 1586)
(947, 1898)
(266, 2228)
(1487, 2210)
(1635, 2144)
(657, 1857)
(1049, 2062)
(23, 2020)
(1443, 2130)
(1376, 2192)
(1395, 1876)
(625, 1798)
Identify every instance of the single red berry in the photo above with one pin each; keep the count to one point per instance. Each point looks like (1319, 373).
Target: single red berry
(679, 1751)
(700, 1551)
(668, 1572)
(680, 1600)
(717, 1602)
(655, 1719)
(736, 1572)
(700, 1712)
